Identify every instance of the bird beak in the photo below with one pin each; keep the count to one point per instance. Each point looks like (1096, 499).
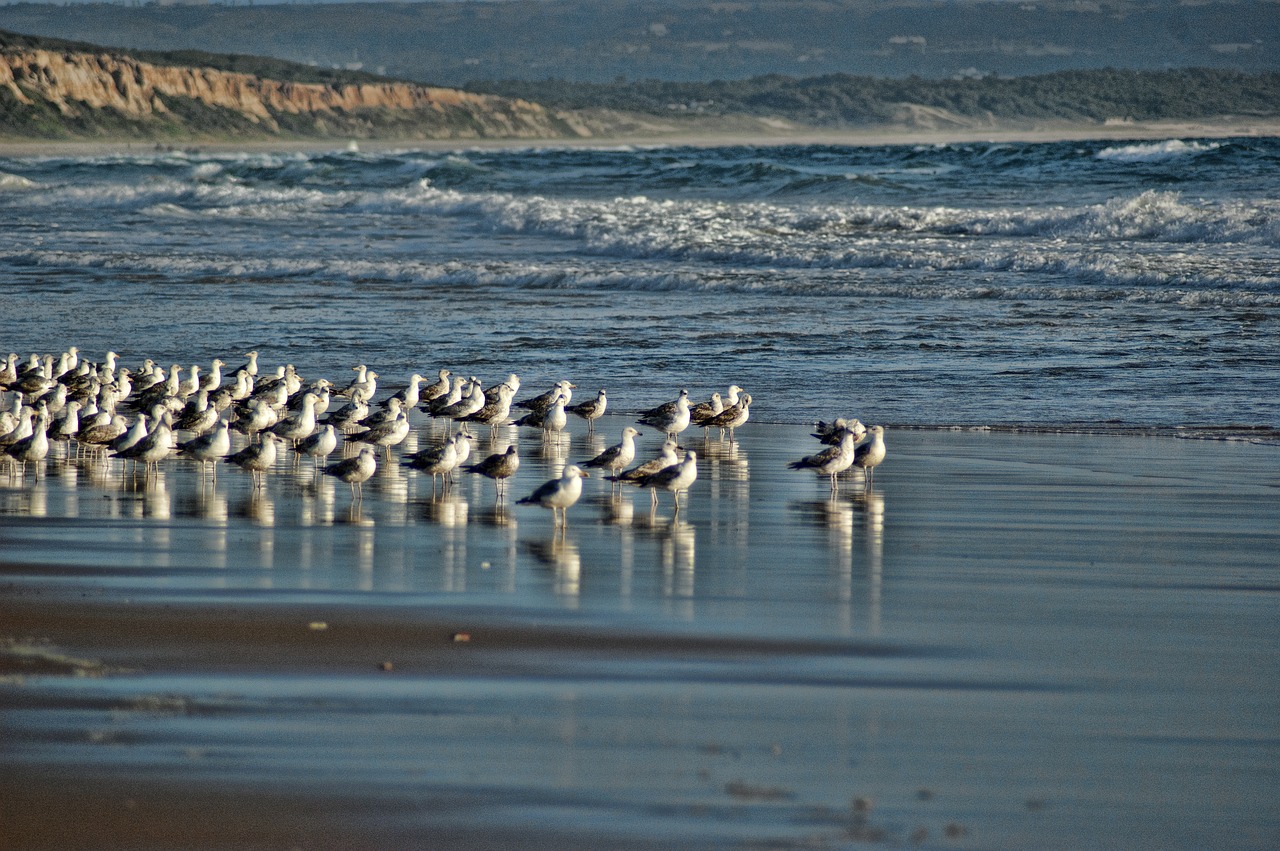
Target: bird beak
(584, 474)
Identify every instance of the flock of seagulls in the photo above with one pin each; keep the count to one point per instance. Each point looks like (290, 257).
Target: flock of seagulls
(138, 415)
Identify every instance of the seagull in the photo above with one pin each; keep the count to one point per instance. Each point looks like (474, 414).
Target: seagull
(559, 494)
(319, 445)
(250, 368)
(409, 396)
(731, 417)
(355, 471)
(257, 458)
(386, 435)
(676, 478)
(67, 426)
(539, 404)
(498, 467)
(706, 410)
(97, 437)
(435, 390)
(258, 418)
(439, 461)
(672, 417)
(209, 448)
(32, 448)
(464, 407)
(550, 419)
(832, 432)
(449, 397)
(348, 418)
(496, 410)
(512, 382)
(303, 425)
(617, 457)
(390, 410)
(591, 410)
(131, 437)
(831, 461)
(155, 446)
(869, 455)
(666, 458)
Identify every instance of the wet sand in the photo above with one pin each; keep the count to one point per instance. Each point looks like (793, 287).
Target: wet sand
(1011, 641)
(709, 136)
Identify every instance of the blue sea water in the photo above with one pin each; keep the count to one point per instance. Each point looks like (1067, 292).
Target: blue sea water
(1077, 283)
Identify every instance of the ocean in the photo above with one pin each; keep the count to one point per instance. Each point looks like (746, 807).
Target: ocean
(1102, 284)
(1021, 634)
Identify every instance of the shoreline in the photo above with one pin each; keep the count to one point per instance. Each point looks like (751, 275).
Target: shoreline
(868, 137)
(951, 653)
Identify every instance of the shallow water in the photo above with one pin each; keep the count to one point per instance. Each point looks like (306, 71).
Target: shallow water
(1051, 641)
(1045, 640)
(1040, 284)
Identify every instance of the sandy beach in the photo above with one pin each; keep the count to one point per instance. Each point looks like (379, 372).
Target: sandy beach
(888, 135)
(1010, 641)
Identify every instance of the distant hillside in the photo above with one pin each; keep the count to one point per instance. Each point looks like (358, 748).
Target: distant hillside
(843, 101)
(453, 43)
(51, 90)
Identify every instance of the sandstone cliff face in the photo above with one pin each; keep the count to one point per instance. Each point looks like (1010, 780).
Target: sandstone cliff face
(77, 83)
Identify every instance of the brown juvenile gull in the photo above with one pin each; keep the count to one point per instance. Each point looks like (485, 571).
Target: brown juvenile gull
(831, 461)
(676, 478)
(355, 471)
(499, 467)
(591, 410)
(257, 458)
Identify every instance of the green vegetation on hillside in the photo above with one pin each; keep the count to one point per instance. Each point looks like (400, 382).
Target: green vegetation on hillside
(841, 100)
(257, 66)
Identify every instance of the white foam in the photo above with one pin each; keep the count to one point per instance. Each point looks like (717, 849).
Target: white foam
(1147, 152)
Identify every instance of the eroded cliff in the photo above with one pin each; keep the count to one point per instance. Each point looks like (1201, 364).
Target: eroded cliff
(50, 93)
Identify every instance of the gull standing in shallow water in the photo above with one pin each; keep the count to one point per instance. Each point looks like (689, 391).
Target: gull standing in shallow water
(869, 455)
(731, 417)
(591, 410)
(559, 494)
(671, 417)
(617, 457)
(257, 458)
(831, 461)
(320, 445)
(676, 478)
(209, 448)
(355, 471)
(439, 461)
(667, 457)
(498, 467)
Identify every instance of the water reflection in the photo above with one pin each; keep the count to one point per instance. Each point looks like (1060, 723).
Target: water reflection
(561, 554)
(844, 518)
(871, 505)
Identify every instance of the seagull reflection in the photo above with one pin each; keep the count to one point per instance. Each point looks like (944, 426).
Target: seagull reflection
(871, 505)
(615, 510)
(448, 509)
(258, 507)
(101, 472)
(354, 515)
(498, 515)
(678, 562)
(32, 502)
(204, 504)
(565, 560)
(555, 446)
(151, 498)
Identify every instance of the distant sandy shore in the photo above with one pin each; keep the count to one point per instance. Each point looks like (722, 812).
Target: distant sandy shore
(709, 138)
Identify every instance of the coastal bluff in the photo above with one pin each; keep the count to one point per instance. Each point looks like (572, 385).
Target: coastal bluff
(56, 94)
